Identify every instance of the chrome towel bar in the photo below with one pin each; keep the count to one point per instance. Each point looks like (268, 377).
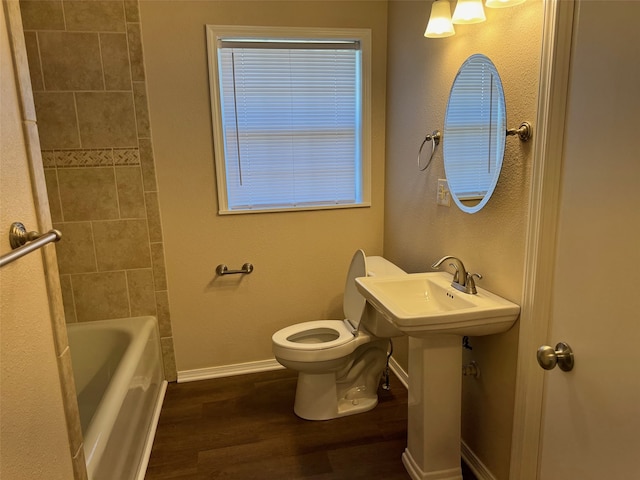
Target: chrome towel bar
(23, 242)
(224, 270)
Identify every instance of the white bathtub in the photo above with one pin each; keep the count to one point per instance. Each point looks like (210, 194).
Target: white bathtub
(117, 366)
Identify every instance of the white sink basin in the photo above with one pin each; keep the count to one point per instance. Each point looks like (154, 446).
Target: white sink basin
(421, 304)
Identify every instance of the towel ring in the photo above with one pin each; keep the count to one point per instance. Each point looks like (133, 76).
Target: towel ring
(434, 138)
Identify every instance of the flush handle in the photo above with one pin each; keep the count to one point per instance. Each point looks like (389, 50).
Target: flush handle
(562, 355)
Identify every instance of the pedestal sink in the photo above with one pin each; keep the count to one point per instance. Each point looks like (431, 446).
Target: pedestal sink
(435, 316)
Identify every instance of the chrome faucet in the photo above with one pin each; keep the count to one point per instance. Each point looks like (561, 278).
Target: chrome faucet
(462, 280)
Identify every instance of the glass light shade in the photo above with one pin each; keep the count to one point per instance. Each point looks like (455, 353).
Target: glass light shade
(469, 11)
(502, 3)
(440, 25)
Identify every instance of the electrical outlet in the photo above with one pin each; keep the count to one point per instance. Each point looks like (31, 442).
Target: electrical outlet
(443, 196)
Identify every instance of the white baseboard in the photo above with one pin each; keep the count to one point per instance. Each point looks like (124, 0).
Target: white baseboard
(228, 370)
(474, 463)
(261, 366)
(399, 372)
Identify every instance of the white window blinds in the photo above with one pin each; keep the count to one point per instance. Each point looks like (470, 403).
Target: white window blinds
(291, 122)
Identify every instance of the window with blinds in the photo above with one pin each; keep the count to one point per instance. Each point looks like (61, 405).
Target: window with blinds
(290, 117)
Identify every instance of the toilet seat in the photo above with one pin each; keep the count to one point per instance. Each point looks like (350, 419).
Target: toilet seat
(310, 335)
(340, 346)
(322, 340)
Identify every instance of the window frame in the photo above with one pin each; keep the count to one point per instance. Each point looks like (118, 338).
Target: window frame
(217, 32)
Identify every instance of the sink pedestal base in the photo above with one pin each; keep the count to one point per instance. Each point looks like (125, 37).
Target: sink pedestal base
(435, 390)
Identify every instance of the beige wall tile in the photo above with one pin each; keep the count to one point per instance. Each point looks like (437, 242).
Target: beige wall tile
(148, 165)
(67, 299)
(51, 177)
(169, 359)
(157, 261)
(75, 251)
(142, 109)
(121, 244)
(131, 10)
(141, 294)
(99, 296)
(94, 16)
(153, 217)
(57, 122)
(164, 320)
(88, 193)
(42, 15)
(71, 61)
(84, 130)
(106, 119)
(135, 51)
(130, 195)
(115, 59)
(33, 56)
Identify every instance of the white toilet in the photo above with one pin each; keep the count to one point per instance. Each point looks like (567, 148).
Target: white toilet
(340, 362)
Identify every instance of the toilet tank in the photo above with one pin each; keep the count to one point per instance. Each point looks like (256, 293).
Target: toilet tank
(379, 266)
(372, 321)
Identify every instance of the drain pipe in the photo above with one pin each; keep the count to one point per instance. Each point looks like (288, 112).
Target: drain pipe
(385, 374)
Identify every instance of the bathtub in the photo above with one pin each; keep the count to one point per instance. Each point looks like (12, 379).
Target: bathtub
(117, 366)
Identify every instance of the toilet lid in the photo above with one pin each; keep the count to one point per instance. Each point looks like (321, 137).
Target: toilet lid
(354, 303)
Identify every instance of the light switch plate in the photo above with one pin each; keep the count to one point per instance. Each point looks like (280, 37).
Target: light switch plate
(443, 196)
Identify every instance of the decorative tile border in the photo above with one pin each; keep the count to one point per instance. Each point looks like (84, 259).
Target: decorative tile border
(108, 157)
(84, 158)
(126, 156)
(49, 158)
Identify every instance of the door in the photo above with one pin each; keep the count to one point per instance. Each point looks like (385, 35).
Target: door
(591, 415)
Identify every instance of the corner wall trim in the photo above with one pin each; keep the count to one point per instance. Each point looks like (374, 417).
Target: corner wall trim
(542, 227)
(228, 370)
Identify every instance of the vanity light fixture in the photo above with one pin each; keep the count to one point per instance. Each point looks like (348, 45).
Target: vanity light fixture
(468, 11)
(502, 3)
(440, 25)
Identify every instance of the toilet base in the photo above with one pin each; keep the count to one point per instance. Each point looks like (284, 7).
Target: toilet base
(317, 398)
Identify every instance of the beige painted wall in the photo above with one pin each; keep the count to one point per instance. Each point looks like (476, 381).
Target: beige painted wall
(300, 258)
(492, 242)
(33, 433)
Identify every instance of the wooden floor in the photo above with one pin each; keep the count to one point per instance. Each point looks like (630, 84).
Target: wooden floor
(243, 427)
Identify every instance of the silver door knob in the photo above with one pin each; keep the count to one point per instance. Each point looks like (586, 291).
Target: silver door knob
(562, 355)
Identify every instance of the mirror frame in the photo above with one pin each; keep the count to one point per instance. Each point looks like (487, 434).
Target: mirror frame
(496, 130)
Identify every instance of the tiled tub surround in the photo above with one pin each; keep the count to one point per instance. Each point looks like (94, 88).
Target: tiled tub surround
(87, 73)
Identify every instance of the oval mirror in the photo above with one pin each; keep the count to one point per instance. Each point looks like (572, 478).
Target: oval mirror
(474, 133)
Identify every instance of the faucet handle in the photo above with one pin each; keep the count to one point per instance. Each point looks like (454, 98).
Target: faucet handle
(471, 283)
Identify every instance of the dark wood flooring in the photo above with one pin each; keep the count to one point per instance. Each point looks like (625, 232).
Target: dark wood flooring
(243, 427)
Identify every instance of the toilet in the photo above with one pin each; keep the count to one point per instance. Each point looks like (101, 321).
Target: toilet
(340, 362)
